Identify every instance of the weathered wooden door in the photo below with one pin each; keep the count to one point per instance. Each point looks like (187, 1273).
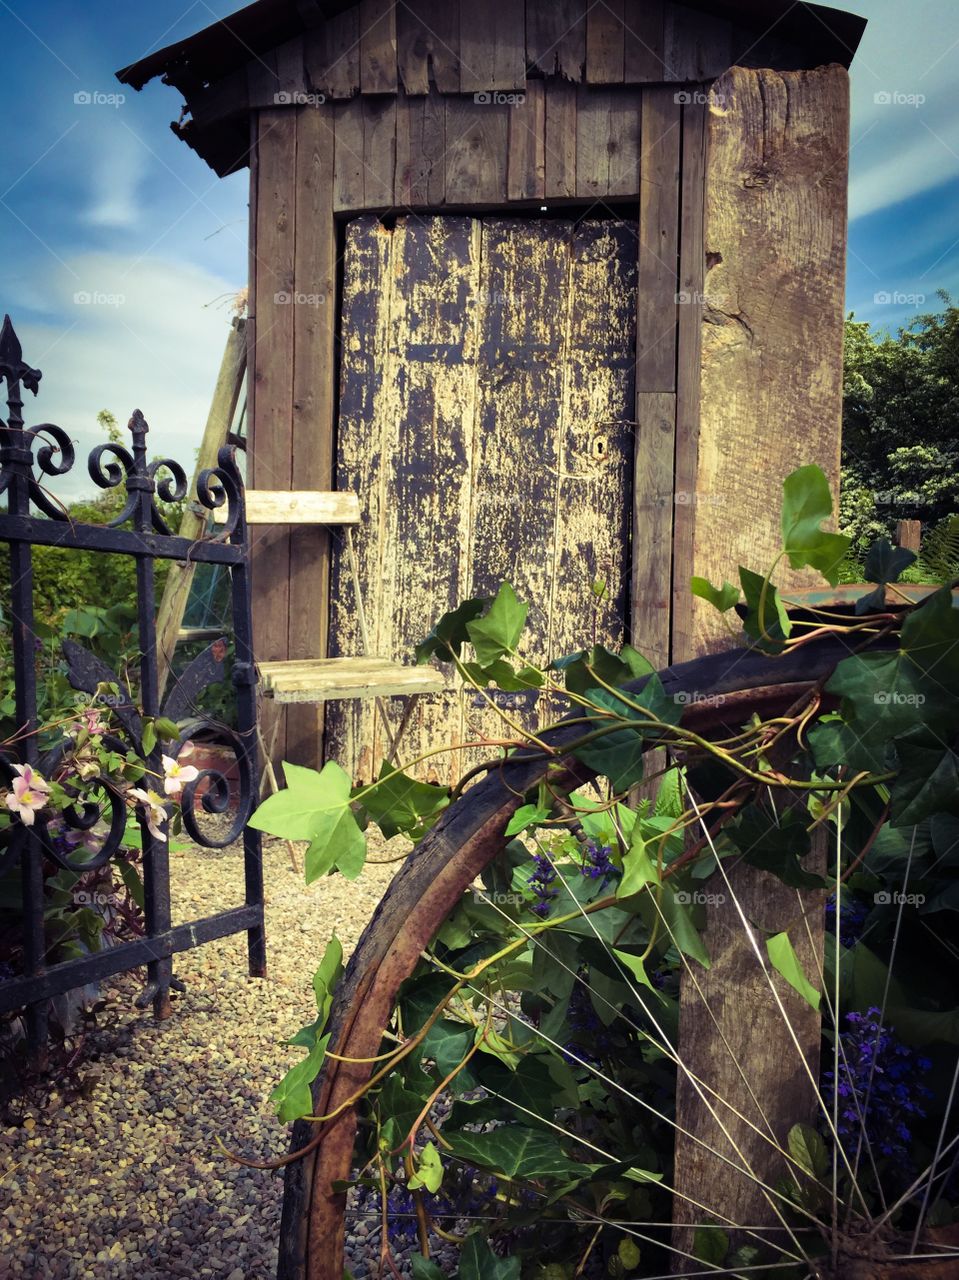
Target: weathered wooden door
(486, 399)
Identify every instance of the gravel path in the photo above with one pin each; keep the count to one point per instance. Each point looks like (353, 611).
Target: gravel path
(125, 1180)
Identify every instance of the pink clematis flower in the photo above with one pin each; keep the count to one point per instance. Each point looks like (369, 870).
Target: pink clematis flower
(153, 807)
(176, 774)
(29, 794)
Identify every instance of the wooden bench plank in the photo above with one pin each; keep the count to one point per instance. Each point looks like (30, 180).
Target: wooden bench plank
(303, 506)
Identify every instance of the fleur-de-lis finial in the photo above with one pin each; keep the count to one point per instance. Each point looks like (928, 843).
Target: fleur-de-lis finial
(16, 373)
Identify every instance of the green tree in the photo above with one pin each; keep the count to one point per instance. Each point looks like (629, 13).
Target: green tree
(900, 424)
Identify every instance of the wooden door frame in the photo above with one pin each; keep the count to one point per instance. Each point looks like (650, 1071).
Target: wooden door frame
(293, 418)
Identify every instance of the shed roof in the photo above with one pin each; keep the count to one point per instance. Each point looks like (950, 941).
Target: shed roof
(338, 48)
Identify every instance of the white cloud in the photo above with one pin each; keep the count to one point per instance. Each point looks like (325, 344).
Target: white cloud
(901, 150)
(115, 172)
(150, 337)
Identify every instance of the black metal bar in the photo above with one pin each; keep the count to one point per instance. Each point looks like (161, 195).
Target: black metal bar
(244, 681)
(95, 537)
(146, 538)
(17, 993)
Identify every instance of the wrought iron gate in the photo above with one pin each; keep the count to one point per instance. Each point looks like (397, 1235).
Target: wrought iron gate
(33, 518)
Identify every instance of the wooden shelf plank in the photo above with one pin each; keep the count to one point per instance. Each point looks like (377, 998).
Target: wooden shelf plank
(326, 678)
(304, 506)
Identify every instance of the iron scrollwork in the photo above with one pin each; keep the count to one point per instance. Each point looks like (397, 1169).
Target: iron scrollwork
(93, 828)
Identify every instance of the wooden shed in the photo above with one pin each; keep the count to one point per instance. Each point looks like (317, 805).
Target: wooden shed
(555, 287)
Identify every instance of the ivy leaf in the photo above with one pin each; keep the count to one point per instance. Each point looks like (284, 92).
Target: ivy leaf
(429, 1170)
(786, 963)
(635, 966)
(722, 598)
(449, 635)
(398, 1107)
(581, 670)
(766, 620)
(888, 694)
(884, 563)
(325, 978)
(423, 1269)
(833, 742)
(479, 1262)
(928, 782)
(930, 634)
(292, 1096)
(504, 676)
(315, 807)
(398, 803)
(528, 815)
(710, 1245)
(447, 1042)
(639, 869)
(775, 847)
(808, 1150)
(498, 632)
(807, 502)
(679, 923)
(168, 730)
(618, 755)
(514, 1151)
(327, 975)
(628, 1253)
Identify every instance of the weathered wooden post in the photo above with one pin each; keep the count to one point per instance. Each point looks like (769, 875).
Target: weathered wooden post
(774, 238)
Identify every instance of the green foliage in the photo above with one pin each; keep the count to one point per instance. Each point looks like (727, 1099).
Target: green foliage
(546, 1006)
(900, 425)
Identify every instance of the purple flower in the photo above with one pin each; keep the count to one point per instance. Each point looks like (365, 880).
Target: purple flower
(541, 882)
(878, 1089)
(597, 861)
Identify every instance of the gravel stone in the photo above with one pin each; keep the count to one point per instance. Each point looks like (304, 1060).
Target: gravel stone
(122, 1179)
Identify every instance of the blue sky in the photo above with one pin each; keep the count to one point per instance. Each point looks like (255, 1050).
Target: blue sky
(99, 200)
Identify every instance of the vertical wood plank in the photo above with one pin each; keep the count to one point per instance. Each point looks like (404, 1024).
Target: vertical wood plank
(659, 240)
(605, 43)
(271, 454)
(332, 55)
(349, 171)
(377, 46)
(428, 39)
(314, 374)
(363, 449)
(734, 1038)
(526, 166)
(644, 42)
(410, 296)
(437, 297)
(476, 152)
(516, 461)
(592, 532)
(290, 71)
(771, 399)
(560, 157)
(608, 128)
(379, 151)
(556, 37)
(696, 45)
(653, 523)
(420, 151)
(262, 79)
(909, 534)
(492, 46)
(771, 380)
(692, 267)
